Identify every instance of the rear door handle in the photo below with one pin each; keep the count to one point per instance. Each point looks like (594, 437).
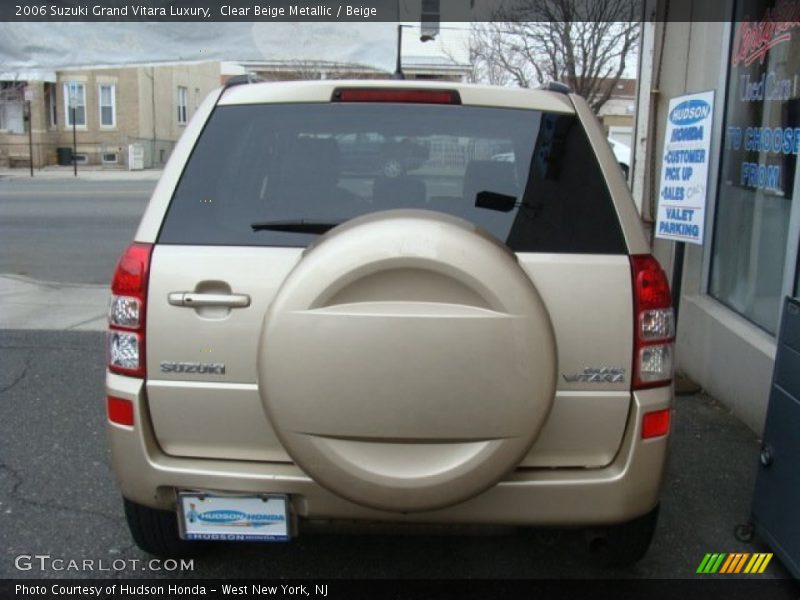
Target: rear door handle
(196, 299)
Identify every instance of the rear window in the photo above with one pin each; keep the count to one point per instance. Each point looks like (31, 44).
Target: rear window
(327, 163)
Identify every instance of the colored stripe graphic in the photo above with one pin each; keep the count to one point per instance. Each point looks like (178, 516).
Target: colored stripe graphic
(718, 562)
(736, 562)
(767, 558)
(703, 564)
(731, 564)
(740, 563)
(711, 563)
(727, 564)
(755, 562)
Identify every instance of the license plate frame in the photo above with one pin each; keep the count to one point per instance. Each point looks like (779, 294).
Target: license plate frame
(233, 518)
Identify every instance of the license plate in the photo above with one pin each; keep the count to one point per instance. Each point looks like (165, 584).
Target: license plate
(233, 518)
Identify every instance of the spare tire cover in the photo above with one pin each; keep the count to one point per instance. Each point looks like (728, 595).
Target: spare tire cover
(407, 362)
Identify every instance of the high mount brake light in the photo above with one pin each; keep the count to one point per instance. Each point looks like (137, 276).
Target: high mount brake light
(654, 324)
(126, 316)
(396, 95)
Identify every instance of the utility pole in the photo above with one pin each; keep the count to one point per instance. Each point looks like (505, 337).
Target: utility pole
(74, 145)
(73, 101)
(398, 70)
(29, 119)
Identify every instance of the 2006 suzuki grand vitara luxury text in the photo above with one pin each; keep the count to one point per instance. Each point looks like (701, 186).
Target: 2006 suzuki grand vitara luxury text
(477, 335)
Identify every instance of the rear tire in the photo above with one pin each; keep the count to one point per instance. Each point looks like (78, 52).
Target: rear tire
(156, 532)
(624, 544)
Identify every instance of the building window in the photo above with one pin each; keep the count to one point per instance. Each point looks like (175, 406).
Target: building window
(80, 106)
(183, 103)
(12, 112)
(109, 158)
(107, 94)
(50, 104)
(758, 165)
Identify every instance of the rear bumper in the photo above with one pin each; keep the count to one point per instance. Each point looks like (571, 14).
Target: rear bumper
(627, 488)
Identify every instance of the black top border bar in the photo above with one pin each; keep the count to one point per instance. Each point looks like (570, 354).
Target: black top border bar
(464, 11)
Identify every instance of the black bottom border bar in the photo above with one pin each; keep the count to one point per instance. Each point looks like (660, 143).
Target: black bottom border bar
(379, 589)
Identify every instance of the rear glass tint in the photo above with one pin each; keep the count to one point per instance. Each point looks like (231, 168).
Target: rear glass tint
(527, 177)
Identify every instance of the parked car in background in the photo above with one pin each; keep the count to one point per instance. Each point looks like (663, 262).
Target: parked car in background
(372, 152)
(623, 155)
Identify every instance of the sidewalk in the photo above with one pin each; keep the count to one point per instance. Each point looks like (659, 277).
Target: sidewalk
(29, 304)
(85, 173)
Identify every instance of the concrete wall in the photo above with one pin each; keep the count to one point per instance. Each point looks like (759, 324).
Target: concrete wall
(158, 93)
(726, 354)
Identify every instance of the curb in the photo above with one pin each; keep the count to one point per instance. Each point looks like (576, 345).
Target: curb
(87, 175)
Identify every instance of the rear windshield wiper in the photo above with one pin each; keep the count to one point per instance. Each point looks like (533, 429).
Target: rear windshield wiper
(296, 226)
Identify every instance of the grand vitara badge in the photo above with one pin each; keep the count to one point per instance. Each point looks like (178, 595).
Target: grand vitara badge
(192, 367)
(597, 375)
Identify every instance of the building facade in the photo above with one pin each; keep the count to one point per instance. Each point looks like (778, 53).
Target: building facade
(617, 115)
(732, 287)
(441, 54)
(114, 107)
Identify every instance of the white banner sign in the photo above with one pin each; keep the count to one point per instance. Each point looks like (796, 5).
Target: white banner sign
(72, 86)
(27, 46)
(684, 168)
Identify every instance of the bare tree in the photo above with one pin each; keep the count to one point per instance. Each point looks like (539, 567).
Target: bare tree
(582, 43)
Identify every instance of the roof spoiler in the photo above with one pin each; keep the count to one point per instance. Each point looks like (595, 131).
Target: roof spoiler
(241, 80)
(555, 86)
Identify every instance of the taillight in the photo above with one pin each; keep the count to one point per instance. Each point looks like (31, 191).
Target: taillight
(396, 95)
(654, 325)
(126, 315)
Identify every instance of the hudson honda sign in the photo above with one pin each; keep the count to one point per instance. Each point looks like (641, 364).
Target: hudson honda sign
(684, 169)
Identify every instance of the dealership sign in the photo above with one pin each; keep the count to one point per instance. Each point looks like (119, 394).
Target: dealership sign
(684, 168)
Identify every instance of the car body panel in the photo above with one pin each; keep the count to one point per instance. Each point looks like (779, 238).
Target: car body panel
(628, 487)
(233, 340)
(208, 429)
(583, 429)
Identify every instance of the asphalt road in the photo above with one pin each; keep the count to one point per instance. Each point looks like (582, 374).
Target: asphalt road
(58, 496)
(68, 231)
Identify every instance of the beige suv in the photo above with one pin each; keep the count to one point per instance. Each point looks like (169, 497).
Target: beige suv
(478, 336)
